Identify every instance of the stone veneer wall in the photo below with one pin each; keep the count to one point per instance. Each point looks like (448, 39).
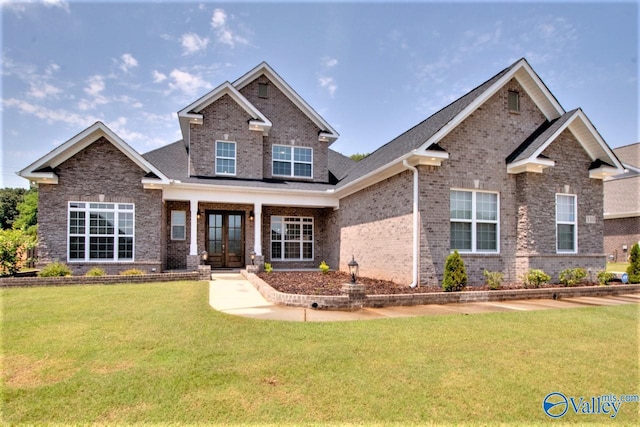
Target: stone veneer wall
(619, 232)
(289, 124)
(99, 170)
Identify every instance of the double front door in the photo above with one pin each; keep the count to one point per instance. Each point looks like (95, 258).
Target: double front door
(225, 239)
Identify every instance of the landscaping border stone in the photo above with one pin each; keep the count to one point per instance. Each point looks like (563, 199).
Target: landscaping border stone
(343, 302)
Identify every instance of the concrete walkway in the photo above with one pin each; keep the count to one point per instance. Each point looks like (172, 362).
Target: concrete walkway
(232, 294)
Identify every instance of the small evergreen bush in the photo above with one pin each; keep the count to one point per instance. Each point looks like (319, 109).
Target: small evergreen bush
(455, 274)
(132, 272)
(572, 276)
(267, 267)
(55, 269)
(535, 278)
(634, 264)
(324, 267)
(604, 277)
(494, 279)
(96, 271)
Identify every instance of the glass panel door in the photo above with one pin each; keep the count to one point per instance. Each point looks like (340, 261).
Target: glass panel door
(225, 239)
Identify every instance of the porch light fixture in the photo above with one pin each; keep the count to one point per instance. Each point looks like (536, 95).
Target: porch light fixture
(253, 257)
(251, 215)
(199, 214)
(353, 269)
(204, 255)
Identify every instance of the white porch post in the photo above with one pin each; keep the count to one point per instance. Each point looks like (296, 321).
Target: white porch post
(193, 247)
(257, 228)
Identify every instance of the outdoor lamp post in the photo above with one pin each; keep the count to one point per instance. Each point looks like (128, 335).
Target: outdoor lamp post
(253, 257)
(353, 269)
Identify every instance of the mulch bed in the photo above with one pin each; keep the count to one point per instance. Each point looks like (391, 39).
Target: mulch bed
(317, 283)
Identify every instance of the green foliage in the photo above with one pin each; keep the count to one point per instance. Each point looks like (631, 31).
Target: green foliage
(572, 276)
(267, 267)
(132, 272)
(634, 264)
(14, 245)
(604, 277)
(494, 279)
(535, 278)
(324, 267)
(55, 269)
(9, 199)
(358, 156)
(27, 218)
(96, 271)
(455, 274)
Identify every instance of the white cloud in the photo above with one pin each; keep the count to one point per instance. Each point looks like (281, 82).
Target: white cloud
(158, 77)
(192, 43)
(95, 85)
(50, 115)
(329, 62)
(62, 4)
(128, 62)
(224, 34)
(187, 83)
(20, 7)
(42, 90)
(329, 83)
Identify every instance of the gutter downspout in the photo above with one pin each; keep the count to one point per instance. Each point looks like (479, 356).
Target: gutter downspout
(416, 224)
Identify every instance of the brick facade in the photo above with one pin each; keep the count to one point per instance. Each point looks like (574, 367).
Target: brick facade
(88, 176)
(621, 232)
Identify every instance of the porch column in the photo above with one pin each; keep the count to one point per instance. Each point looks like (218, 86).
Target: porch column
(257, 228)
(193, 247)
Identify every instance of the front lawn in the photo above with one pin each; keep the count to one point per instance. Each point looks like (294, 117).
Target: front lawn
(157, 353)
(619, 267)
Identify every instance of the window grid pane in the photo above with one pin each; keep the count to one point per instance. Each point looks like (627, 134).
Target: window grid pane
(474, 221)
(460, 205)
(566, 237)
(486, 206)
(486, 237)
(99, 240)
(225, 158)
(461, 236)
(292, 161)
(291, 238)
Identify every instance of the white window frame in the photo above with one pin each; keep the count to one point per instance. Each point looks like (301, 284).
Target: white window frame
(234, 158)
(283, 220)
(292, 161)
(574, 223)
(474, 221)
(175, 224)
(94, 207)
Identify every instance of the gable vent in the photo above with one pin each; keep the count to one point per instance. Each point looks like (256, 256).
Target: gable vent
(514, 101)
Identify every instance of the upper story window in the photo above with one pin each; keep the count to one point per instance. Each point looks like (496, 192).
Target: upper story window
(474, 221)
(263, 90)
(178, 225)
(566, 226)
(101, 231)
(514, 101)
(292, 161)
(225, 158)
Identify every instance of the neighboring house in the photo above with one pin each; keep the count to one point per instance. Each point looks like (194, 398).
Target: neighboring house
(622, 205)
(504, 175)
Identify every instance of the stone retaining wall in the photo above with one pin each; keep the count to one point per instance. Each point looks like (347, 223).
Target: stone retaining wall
(343, 302)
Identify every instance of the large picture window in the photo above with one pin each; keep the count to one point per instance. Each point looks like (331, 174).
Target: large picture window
(292, 161)
(566, 223)
(474, 221)
(101, 231)
(225, 158)
(291, 238)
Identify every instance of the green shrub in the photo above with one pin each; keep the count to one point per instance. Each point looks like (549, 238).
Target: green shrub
(604, 277)
(132, 272)
(494, 279)
(55, 269)
(572, 276)
(96, 271)
(14, 245)
(634, 264)
(324, 267)
(267, 267)
(535, 278)
(455, 274)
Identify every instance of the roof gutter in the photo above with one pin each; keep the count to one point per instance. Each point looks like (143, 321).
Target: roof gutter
(416, 223)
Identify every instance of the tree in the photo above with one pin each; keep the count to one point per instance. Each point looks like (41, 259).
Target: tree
(14, 245)
(634, 264)
(27, 219)
(358, 156)
(455, 273)
(9, 199)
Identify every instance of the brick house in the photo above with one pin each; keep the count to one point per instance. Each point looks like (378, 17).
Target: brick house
(504, 175)
(622, 205)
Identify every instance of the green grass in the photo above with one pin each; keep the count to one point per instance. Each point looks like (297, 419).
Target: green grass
(617, 266)
(157, 353)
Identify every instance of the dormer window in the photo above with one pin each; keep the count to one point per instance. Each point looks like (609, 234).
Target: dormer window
(514, 101)
(263, 90)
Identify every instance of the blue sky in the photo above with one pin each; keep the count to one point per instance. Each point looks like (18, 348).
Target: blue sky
(372, 70)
